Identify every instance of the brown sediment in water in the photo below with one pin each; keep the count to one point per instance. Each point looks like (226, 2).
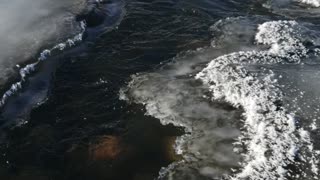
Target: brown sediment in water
(169, 150)
(106, 157)
(107, 148)
(135, 151)
(111, 157)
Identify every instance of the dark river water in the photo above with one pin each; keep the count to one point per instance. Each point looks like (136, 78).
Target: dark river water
(169, 89)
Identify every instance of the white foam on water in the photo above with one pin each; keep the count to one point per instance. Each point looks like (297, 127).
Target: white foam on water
(272, 144)
(294, 9)
(27, 27)
(174, 97)
(272, 139)
(313, 3)
(28, 69)
(283, 3)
